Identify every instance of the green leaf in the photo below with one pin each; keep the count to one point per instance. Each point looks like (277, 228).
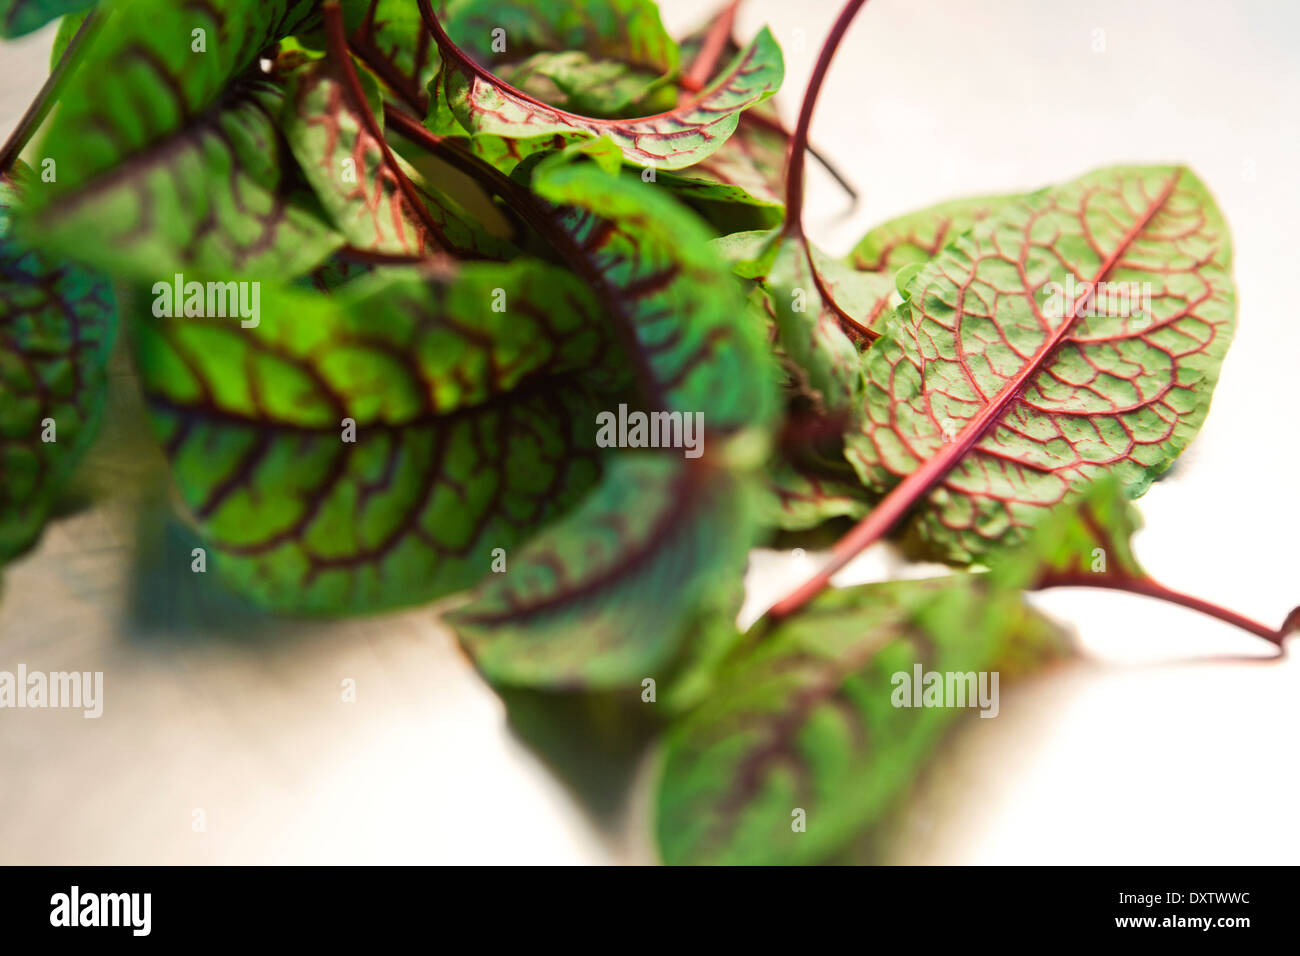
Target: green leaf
(600, 599)
(814, 312)
(57, 323)
(472, 429)
(1012, 390)
(806, 719)
(608, 593)
(672, 297)
(483, 103)
(357, 180)
(575, 81)
(221, 196)
(169, 159)
(817, 312)
(68, 28)
(802, 497)
(597, 57)
(391, 37)
(1089, 541)
(920, 236)
(18, 17)
(748, 170)
(723, 192)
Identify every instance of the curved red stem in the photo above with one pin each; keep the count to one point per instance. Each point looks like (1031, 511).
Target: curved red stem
(1154, 589)
(796, 154)
(336, 40)
(799, 140)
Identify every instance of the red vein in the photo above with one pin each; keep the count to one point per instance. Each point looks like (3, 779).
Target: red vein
(337, 42)
(911, 489)
(463, 61)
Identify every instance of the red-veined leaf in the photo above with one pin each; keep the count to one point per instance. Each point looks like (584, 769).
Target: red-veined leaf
(483, 103)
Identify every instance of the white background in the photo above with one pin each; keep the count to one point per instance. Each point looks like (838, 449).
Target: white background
(1161, 743)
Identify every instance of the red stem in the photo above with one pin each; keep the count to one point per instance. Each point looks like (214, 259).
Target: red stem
(758, 119)
(337, 42)
(906, 493)
(799, 140)
(794, 169)
(1154, 589)
(706, 61)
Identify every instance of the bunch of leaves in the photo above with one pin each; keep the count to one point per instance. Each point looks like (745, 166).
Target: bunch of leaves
(474, 231)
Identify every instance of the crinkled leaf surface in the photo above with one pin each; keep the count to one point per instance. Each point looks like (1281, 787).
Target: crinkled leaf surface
(334, 141)
(57, 323)
(600, 599)
(472, 429)
(483, 103)
(804, 719)
(918, 237)
(18, 17)
(1009, 401)
(596, 57)
(168, 159)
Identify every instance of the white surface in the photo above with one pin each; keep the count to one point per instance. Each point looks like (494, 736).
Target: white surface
(1144, 751)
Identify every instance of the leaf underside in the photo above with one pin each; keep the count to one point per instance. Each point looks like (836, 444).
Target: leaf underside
(985, 355)
(482, 103)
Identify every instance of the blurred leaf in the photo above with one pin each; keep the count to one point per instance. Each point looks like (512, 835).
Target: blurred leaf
(165, 148)
(671, 296)
(68, 28)
(1090, 539)
(802, 497)
(471, 429)
(57, 323)
(804, 719)
(603, 597)
(600, 600)
(344, 160)
(18, 17)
